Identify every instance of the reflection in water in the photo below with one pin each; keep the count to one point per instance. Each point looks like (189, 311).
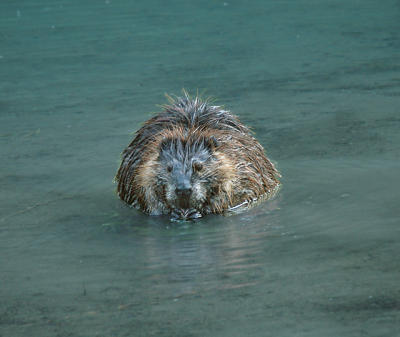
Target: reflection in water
(214, 253)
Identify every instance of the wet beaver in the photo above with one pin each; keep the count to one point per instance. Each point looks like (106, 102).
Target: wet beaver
(194, 159)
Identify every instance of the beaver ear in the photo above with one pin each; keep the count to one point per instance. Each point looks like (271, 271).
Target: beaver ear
(164, 144)
(213, 143)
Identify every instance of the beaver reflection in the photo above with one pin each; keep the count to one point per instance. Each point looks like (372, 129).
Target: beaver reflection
(194, 159)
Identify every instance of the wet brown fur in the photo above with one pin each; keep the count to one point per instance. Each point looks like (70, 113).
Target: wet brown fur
(241, 172)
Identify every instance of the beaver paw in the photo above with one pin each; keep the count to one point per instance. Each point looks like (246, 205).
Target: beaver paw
(185, 214)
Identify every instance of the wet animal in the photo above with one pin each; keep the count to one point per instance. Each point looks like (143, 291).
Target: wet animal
(192, 159)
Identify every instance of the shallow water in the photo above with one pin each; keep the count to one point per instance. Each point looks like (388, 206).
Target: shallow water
(319, 83)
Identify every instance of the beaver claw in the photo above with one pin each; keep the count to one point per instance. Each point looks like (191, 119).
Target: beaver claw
(185, 214)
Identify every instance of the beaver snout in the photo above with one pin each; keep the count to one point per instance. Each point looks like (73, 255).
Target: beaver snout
(184, 192)
(183, 185)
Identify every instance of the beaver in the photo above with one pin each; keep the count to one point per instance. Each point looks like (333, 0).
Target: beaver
(193, 159)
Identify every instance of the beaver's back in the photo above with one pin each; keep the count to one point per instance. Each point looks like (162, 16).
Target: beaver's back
(189, 114)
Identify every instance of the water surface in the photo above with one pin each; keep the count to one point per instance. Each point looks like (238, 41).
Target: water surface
(319, 83)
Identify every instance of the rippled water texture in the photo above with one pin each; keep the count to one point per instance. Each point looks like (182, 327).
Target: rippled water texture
(319, 82)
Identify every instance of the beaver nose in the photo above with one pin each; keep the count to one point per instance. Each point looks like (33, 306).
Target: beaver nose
(183, 191)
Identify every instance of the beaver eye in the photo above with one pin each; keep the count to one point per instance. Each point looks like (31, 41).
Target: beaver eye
(197, 166)
(169, 168)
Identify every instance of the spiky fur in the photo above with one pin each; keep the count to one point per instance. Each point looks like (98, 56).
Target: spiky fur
(236, 170)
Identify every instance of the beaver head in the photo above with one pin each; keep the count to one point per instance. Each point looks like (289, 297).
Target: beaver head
(189, 174)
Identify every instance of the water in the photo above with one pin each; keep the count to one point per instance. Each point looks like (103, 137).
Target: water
(319, 83)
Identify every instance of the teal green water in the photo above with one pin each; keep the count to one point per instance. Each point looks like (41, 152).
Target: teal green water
(318, 81)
